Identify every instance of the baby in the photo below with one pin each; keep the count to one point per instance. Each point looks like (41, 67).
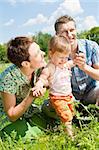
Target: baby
(57, 74)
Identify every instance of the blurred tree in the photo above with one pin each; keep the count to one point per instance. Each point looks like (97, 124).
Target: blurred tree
(92, 34)
(43, 39)
(82, 34)
(3, 56)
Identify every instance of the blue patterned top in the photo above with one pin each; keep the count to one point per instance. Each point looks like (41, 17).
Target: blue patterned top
(81, 82)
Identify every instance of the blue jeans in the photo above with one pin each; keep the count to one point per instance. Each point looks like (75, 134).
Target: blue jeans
(91, 97)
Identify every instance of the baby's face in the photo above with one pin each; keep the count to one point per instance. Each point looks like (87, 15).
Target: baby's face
(59, 58)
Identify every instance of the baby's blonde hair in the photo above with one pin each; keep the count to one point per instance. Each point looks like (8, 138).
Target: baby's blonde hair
(60, 44)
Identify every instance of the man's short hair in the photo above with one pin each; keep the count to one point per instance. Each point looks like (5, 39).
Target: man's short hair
(62, 20)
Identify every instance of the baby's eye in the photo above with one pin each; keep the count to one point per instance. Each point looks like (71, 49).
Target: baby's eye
(66, 58)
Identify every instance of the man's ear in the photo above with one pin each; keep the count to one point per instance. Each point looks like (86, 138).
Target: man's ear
(25, 64)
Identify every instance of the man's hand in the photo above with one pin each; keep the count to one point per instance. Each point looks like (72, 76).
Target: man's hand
(80, 60)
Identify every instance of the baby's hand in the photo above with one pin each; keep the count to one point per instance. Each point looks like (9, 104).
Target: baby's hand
(38, 91)
(70, 64)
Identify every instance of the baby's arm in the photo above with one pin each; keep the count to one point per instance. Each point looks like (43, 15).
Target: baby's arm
(42, 81)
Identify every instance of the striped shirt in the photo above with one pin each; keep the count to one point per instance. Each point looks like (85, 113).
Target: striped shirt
(81, 82)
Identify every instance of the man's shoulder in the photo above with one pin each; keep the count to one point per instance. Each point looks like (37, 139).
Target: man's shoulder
(87, 42)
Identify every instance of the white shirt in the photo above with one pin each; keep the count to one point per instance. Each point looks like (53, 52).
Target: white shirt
(59, 82)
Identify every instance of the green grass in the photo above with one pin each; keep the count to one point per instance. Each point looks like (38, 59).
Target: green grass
(85, 139)
(86, 136)
(3, 66)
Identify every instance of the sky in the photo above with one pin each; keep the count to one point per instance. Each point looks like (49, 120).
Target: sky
(28, 17)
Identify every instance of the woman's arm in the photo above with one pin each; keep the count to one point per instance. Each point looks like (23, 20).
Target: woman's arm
(15, 111)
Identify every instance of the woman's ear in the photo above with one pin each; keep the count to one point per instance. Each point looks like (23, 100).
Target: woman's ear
(25, 64)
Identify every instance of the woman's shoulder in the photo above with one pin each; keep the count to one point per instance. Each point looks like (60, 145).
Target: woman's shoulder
(10, 79)
(8, 71)
(6, 80)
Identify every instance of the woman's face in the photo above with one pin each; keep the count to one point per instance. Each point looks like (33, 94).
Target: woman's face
(36, 56)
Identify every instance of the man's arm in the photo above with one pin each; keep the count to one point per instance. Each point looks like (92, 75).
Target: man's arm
(92, 71)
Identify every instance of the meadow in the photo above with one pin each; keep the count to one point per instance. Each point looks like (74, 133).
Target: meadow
(85, 126)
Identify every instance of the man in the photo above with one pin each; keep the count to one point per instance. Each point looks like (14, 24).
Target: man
(85, 54)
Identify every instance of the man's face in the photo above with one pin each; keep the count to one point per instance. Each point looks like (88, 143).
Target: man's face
(69, 31)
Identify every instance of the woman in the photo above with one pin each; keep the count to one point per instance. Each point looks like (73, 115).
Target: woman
(16, 108)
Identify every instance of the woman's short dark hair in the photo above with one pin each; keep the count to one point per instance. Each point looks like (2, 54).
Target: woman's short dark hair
(17, 50)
